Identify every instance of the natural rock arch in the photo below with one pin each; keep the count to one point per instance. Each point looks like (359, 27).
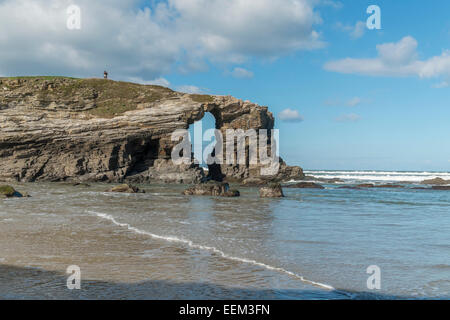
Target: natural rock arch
(58, 129)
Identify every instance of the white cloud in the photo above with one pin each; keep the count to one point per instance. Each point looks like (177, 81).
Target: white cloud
(395, 59)
(189, 89)
(242, 73)
(148, 43)
(348, 118)
(331, 3)
(354, 102)
(158, 82)
(165, 83)
(356, 31)
(235, 29)
(289, 115)
(443, 84)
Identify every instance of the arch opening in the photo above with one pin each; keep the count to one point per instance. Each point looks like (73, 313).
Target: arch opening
(202, 147)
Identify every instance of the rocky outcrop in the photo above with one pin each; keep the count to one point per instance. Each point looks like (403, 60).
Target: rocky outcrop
(324, 180)
(273, 190)
(9, 192)
(305, 185)
(371, 186)
(390, 186)
(216, 189)
(254, 182)
(436, 181)
(63, 129)
(125, 188)
(441, 188)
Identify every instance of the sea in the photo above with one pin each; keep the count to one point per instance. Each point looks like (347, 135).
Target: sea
(332, 243)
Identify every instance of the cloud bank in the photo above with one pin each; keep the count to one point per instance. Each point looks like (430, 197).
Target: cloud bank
(242, 73)
(356, 31)
(398, 59)
(148, 42)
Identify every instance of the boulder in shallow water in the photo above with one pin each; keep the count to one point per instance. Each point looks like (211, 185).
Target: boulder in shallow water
(254, 182)
(232, 193)
(442, 188)
(359, 186)
(436, 181)
(324, 180)
(389, 186)
(273, 190)
(125, 188)
(366, 185)
(211, 188)
(305, 185)
(9, 192)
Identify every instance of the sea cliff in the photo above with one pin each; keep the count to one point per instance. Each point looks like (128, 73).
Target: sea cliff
(65, 129)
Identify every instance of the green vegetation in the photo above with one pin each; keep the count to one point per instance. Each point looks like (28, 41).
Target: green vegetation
(111, 109)
(7, 191)
(108, 98)
(202, 98)
(36, 77)
(115, 98)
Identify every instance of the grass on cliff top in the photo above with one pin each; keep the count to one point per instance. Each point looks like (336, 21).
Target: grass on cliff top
(117, 97)
(112, 98)
(36, 77)
(202, 98)
(7, 191)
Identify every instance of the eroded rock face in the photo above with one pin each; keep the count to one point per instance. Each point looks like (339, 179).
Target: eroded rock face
(305, 185)
(436, 181)
(61, 129)
(217, 189)
(125, 188)
(9, 192)
(441, 188)
(273, 190)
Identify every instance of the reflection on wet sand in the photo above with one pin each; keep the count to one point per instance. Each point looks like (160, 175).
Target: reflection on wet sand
(163, 245)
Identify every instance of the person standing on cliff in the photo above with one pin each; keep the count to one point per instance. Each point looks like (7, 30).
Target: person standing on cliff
(105, 75)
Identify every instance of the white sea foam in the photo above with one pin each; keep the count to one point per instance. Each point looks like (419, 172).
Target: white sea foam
(394, 176)
(210, 249)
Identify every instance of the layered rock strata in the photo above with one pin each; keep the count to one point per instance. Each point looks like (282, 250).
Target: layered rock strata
(64, 129)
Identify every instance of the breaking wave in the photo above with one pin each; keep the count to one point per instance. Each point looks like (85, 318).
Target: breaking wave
(394, 176)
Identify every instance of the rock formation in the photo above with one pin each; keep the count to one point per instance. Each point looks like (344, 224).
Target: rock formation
(436, 181)
(305, 185)
(212, 189)
(9, 192)
(441, 188)
(64, 129)
(125, 188)
(371, 186)
(273, 190)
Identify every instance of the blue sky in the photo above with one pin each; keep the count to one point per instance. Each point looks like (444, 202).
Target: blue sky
(368, 99)
(402, 122)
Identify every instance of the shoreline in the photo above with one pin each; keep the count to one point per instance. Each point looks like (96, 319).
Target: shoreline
(57, 228)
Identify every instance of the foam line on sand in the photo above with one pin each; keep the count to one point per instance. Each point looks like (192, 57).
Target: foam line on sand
(212, 250)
